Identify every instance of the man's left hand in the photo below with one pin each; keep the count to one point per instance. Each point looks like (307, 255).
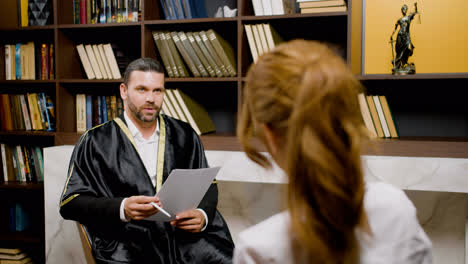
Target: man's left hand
(190, 220)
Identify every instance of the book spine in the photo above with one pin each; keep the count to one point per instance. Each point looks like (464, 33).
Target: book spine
(4, 162)
(76, 12)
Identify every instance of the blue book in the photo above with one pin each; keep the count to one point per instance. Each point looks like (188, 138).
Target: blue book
(179, 9)
(12, 215)
(22, 218)
(172, 9)
(104, 108)
(48, 107)
(187, 9)
(198, 8)
(165, 10)
(99, 109)
(89, 111)
(18, 61)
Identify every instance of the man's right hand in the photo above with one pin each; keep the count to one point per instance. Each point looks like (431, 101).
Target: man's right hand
(139, 207)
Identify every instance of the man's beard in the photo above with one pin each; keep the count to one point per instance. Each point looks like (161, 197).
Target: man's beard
(138, 112)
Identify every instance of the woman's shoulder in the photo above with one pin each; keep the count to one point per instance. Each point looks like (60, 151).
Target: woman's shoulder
(260, 242)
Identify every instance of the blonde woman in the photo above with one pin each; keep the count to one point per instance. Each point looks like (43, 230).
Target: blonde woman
(300, 100)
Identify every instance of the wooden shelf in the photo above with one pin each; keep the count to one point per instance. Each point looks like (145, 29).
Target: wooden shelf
(203, 79)
(22, 185)
(419, 76)
(191, 21)
(419, 147)
(104, 25)
(293, 16)
(24, 237)
(90, 81)
(19, 82)
(27, 133)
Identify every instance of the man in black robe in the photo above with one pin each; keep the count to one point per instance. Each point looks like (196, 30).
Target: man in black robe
(116, 169)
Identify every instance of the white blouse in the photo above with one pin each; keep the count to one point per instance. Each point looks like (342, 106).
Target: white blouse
(397, 236)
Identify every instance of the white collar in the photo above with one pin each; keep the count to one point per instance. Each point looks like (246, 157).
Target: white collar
(136, 133)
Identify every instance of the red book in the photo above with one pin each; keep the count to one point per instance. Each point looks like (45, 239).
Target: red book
(83, 11)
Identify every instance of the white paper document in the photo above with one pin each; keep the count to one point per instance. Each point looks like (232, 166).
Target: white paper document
(183, 190)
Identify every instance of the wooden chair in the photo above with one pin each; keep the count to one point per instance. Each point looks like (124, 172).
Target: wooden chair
(88, 251)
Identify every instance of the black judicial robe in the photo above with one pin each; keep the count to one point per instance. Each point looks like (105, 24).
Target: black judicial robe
(105, 168)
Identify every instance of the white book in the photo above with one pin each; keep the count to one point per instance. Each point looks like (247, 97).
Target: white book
(186, 111)
(258, 42)
(112, 61)
(263, 40)
(21, 166)
(258, 7)
(381, 116)
(4, 163)
(277, 7)
(93, 60)
(100, 61)
(176, 106)
(85, 61)
(171, 111)
(366, 115)
(7, 62)
(251, 41)
(80, 113)
(267, 8)
(24, 109)
(105, 61)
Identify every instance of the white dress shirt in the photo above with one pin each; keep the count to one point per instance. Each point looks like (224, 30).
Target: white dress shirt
(148, 151)
(397, 237)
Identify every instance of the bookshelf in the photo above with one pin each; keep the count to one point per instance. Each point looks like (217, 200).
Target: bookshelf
(222, 96)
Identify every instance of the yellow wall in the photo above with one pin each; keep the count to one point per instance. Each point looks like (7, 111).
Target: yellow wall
(440, 40)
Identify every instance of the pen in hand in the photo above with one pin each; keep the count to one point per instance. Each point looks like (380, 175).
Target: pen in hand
(160, 209)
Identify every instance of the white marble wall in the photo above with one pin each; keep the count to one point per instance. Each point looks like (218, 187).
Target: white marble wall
(248, 194)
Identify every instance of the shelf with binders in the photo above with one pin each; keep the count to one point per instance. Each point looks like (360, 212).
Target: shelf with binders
(430, 123)
(105, 48)
(202, 50)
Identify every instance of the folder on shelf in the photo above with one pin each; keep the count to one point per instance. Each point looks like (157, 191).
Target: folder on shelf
(171, 97)
(366, 115)
(375, 116)
(85, 61)
(224, 51)
(92, 58)
(381, 116)
(196, 114)
(388, 117)
(111, 59)
(212, 51)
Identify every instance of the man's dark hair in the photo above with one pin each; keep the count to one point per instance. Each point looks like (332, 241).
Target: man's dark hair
(144, 65)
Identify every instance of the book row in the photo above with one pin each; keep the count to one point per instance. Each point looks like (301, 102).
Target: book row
(21, 163)
(100, 62)
(205, 53)
(92, 110)
(261, 38)
(31, 111)
(321, 6)
(106, 11)
(187, 9)
(273, 7)
(14, 255)
(29, 61)
(179, 105)
(377, 116)
(34, 12)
